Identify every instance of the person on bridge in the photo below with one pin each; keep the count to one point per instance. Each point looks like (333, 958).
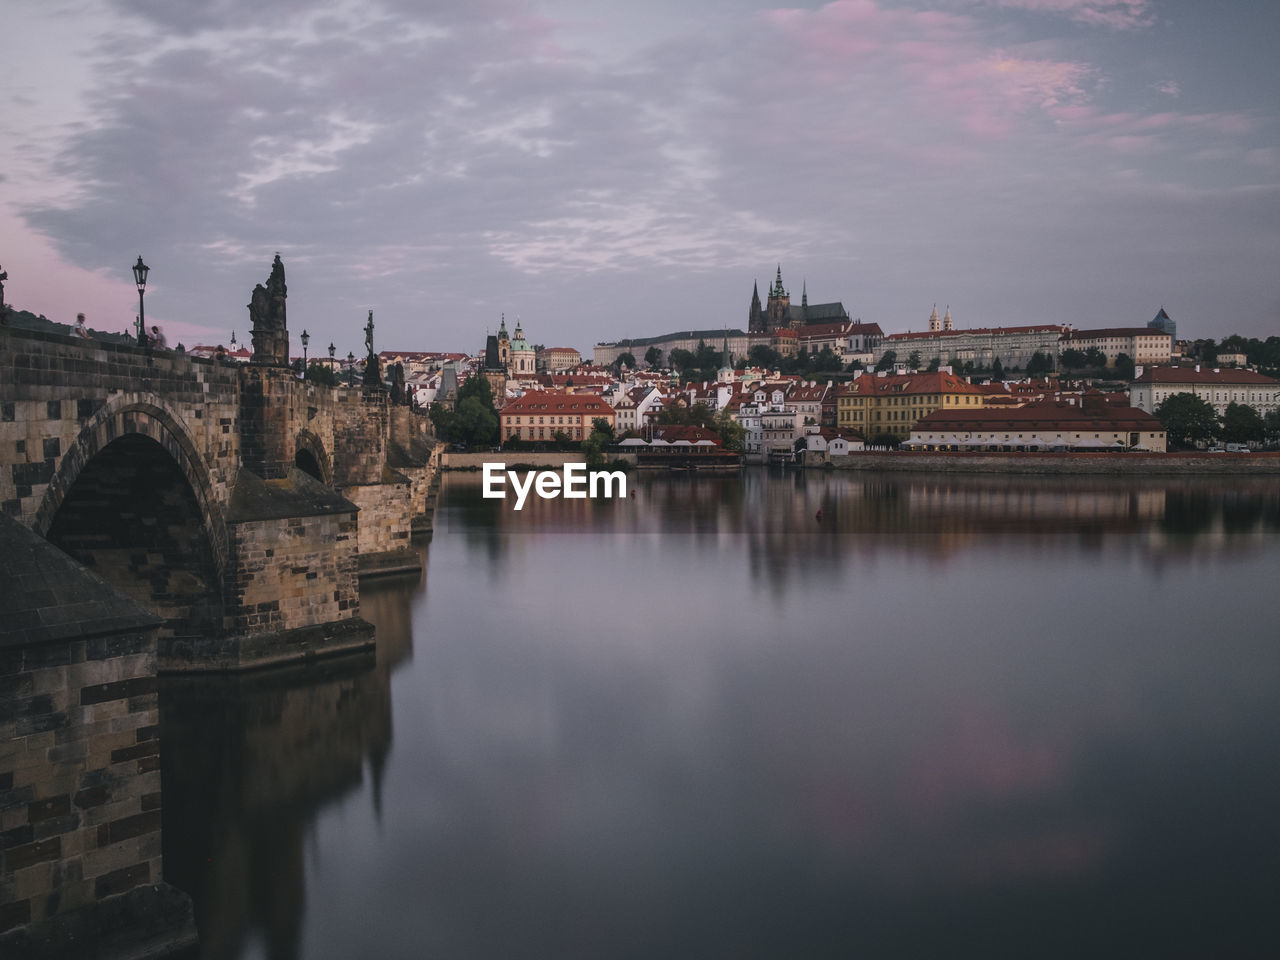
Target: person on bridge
(80, 330)
(158, 340)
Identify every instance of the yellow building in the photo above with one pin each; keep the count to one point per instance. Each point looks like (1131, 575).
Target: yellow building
(540, 415)
(892, 403)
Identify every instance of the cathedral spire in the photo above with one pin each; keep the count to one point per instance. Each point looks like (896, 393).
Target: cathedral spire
(804, 292)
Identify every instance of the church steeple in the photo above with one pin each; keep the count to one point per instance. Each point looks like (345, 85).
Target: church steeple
(934, 323)
(946, 320)
(779, 306)
(804, 292)
(755, 315)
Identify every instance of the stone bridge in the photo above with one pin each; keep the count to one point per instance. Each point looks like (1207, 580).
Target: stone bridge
(236, 501)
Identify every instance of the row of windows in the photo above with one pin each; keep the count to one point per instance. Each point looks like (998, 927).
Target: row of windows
(526, 433)
(541, 420)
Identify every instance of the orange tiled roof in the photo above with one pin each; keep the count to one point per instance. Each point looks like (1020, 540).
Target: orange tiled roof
(541, 401)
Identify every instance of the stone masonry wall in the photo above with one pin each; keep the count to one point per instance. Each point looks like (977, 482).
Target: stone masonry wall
(80, 787)
(360, 429)
(385, 516)
(290, 575)
(54, 389)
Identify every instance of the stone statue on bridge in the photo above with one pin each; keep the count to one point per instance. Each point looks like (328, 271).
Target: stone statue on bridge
(267, 318)
(3, 277)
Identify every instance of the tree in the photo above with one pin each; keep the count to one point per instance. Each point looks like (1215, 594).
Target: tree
(700, 414)
(442, 420)
(593, 446)
(706, 357)
(1094, 357)
(1241, 423)
(826, 360)
(1126, 369)
(1271, 426)
(997, 370)
(474, 422)
(1206, 351)
(1187, 419)
(681, 359)
(627, 360)
(887, 361)
(913, 361)
(1073, 359)
(320, 373)
(653, 357)
(732, 433)
(1039, 364)
(602, 425)
(765, 356)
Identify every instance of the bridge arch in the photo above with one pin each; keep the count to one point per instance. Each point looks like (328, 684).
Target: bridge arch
(311, 457)
(139, 415)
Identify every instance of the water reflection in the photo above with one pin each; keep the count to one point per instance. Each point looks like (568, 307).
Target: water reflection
(250, 761)
(804, 523)
(951, 718)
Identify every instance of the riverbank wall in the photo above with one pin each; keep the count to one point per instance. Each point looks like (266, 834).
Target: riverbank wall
(1062, 464)
(551, 460)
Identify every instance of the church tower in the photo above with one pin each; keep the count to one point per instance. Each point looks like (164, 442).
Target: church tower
(946, 320)
(934, 323)
(504, 344)
(755, 316)
(779, 304)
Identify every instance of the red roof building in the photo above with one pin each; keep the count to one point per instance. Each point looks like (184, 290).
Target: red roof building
(540, 415)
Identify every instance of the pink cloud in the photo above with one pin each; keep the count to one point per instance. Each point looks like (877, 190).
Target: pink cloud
(1117, 14)
(938, 60)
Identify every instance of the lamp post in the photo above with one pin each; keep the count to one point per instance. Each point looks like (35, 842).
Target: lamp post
(140, 271)
(351, 368)
(332, 348)
(306, 338)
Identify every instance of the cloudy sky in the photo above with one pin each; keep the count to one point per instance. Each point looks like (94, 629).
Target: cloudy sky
(608, 168)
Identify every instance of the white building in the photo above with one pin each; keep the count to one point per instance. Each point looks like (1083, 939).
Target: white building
(1219, 386)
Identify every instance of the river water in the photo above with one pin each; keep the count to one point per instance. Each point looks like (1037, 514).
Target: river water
(950, 717)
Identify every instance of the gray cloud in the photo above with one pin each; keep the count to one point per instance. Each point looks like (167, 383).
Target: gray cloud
(447, 162)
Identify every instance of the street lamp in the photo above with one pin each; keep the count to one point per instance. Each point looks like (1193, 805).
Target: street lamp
(140, 271)
(306, 338)
(351, 368)
(332, 348)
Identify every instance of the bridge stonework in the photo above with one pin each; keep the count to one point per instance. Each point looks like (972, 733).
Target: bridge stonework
(282, 493)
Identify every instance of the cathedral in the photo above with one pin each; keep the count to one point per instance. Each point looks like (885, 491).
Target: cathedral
(777, 313)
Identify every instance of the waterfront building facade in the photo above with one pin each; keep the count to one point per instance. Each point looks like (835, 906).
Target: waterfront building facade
(539, 415)
(1220, 386)
(1095, 423)
(882, 403)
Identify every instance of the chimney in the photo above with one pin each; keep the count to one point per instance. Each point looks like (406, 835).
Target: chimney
(1197, 368)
